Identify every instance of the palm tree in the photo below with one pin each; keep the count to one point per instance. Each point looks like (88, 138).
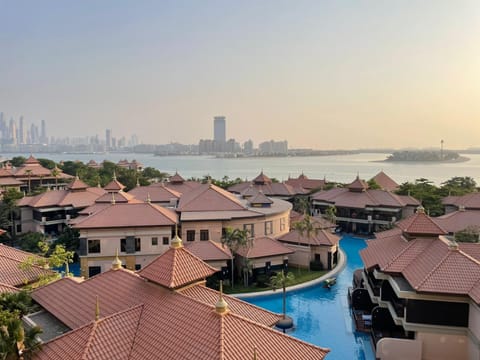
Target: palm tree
(29, 174)
(281, 280)
(56, 173)
(306, 227)
(233, 239)
(331, 214)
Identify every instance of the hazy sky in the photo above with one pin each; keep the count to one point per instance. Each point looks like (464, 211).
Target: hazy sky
(321, 74)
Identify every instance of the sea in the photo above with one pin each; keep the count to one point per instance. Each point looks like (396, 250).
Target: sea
(338, 168)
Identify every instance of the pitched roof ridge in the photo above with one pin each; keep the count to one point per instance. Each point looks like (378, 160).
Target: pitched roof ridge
(221, 338)
(90, 340)
(136, 327)
(409, 245)
(371, 197)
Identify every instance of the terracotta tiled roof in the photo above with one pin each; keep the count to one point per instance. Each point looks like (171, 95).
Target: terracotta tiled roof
(468, 201)
(385, 181)
(304, 182)
(118, 197)
(420, 223)
(262, 179)
(77, 184)
(175, 268)
(5, 288)
(10, 272)
(263, 247)
(32, 160)
(10, 181)
(260, 199)
(111, 337)
(5, 172)
(78, 198)
(250, 191)
(208, 250)
(158, 193)
(269, 189)
(358, 185)
(176, 178)
(128, 215)
(114, 186)
(342, 197)
(208, 197)
(321, 237)
(242, 308)
(459, 220)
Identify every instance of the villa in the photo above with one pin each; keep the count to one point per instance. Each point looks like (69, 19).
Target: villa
(280, 190)
(422, 290)
(363, 210)
(163, 311)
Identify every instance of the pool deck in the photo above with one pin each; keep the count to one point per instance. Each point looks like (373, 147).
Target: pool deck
(340, 266)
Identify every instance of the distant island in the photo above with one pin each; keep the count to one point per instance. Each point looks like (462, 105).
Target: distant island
(426, 156)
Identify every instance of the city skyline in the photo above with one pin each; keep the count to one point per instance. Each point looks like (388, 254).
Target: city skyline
(324, 75)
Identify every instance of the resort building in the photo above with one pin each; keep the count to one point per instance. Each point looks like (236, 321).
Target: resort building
(318, 249)
(469, 201)
(158, 193)
(138, 232)
(33, 174)
(177, 183)
(206, 211)
(385, 182)
(163, 311)
(303, 182)
(12, 275)
(280, 190)
(51, 211)
(363, 210)
(422, 292)
(7, 180)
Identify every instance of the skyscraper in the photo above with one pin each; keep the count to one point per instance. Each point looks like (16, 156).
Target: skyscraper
(219, 130)
(21, 131)
(43, 132)
(108, 139)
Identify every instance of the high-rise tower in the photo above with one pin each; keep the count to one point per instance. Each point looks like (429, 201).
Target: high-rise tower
(219, 130)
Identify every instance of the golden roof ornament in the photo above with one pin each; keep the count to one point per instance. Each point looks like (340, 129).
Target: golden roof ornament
(221, 307)
(176, 241)
(420, 210)
(97, 309)
(116, 263)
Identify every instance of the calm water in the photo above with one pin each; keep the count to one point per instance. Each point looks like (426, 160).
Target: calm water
(341, 168)
(322, 316)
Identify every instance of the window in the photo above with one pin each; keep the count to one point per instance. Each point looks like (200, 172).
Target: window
(249, 228)
(268, 228)
(93, 246)
(282, 224)
(154, 241)
(204, 235)
(130, 244)
(138, 266)
(190, 235)
(166, 240)
(94, 270)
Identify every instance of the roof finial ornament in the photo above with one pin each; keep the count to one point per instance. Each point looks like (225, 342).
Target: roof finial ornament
(113, 198)
(149, 200)
(176, 241)
(255, 353)
(116, 263)
(420, 209)
(97, 308)
(138, 182)
(221, 307)
(358, 174)
(114, 175)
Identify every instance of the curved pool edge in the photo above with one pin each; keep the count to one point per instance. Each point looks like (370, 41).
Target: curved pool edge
(340, 266)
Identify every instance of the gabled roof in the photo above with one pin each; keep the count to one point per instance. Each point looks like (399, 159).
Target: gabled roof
(467, 201)
(320, 237)
(77, 184)
(117, 197)
(114, 185)
(262, 179)
(111, 337)
(209, 250)
(77, 198)
(128, 215)
(260, 199)
(176, 178)
(10, 272)
(420, 224)
(269, 189)
(249, 191)
(459, 220)
(155, 323)
(358, 185)
(304, 182)
(158, 193)
(209, 197)
(176, 267)
(385, 181)
(261, 247)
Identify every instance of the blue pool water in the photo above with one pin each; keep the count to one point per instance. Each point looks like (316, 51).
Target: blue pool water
(322, 316)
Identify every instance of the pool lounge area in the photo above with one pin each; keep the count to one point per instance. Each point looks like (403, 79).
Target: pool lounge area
(321, 315)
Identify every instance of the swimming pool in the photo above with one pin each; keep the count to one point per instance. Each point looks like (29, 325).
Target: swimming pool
(322, 316)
